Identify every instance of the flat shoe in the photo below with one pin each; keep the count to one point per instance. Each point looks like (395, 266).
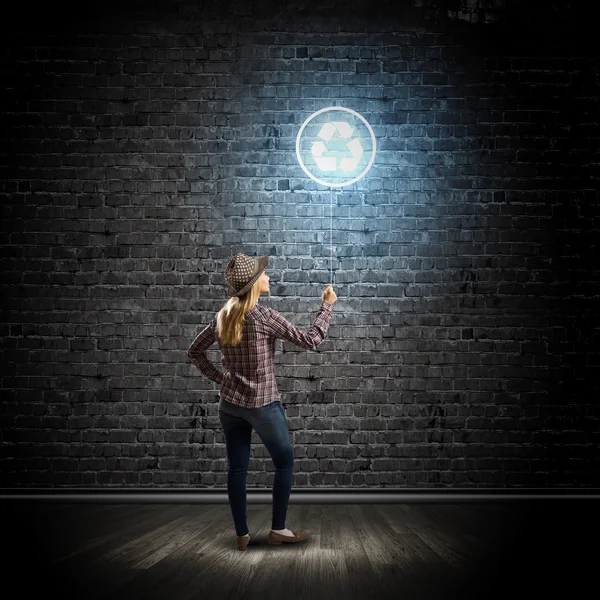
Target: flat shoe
(276, 538)
(242, 542)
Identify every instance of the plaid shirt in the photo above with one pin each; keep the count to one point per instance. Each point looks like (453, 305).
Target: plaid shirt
(249, 379)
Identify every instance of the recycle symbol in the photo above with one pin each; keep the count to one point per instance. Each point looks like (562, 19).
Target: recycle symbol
(336, 152)
(337, 144)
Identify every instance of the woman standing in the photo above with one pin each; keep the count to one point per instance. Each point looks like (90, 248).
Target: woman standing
(246, 333)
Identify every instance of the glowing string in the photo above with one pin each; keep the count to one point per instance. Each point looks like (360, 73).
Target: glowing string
(331, 233)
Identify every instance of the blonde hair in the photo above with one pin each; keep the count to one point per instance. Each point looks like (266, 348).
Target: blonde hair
(231, 318)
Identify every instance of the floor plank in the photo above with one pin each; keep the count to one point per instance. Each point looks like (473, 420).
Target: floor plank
(354, 551)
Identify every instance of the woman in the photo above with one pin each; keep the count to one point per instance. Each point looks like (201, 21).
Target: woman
(246, 333)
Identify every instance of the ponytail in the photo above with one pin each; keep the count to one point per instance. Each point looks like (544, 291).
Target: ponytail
(231, 318)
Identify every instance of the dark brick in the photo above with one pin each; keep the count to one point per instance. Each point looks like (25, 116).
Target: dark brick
(463, 347)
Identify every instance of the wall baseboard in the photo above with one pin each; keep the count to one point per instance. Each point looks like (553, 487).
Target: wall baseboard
(298, 496)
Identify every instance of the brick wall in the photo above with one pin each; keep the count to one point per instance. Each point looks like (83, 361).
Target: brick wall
(143, 144)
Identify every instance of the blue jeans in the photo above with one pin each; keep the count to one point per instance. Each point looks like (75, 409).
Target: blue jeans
(271, 426)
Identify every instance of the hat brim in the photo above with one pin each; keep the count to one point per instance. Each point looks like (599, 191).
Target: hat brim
(262, 263)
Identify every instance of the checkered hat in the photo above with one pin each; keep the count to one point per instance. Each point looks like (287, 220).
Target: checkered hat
(243, 271)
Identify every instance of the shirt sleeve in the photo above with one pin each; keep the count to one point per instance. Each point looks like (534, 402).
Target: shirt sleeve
(281, 328)
(197, 353)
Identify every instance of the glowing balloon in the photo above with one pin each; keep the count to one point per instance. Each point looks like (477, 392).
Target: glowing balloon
(335, 146)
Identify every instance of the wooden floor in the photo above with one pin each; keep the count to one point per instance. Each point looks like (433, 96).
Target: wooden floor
(517, 549)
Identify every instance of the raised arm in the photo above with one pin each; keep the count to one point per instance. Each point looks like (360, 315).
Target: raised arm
(281, 328)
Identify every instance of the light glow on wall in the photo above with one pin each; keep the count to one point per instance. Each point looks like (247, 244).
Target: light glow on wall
(335, 146)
